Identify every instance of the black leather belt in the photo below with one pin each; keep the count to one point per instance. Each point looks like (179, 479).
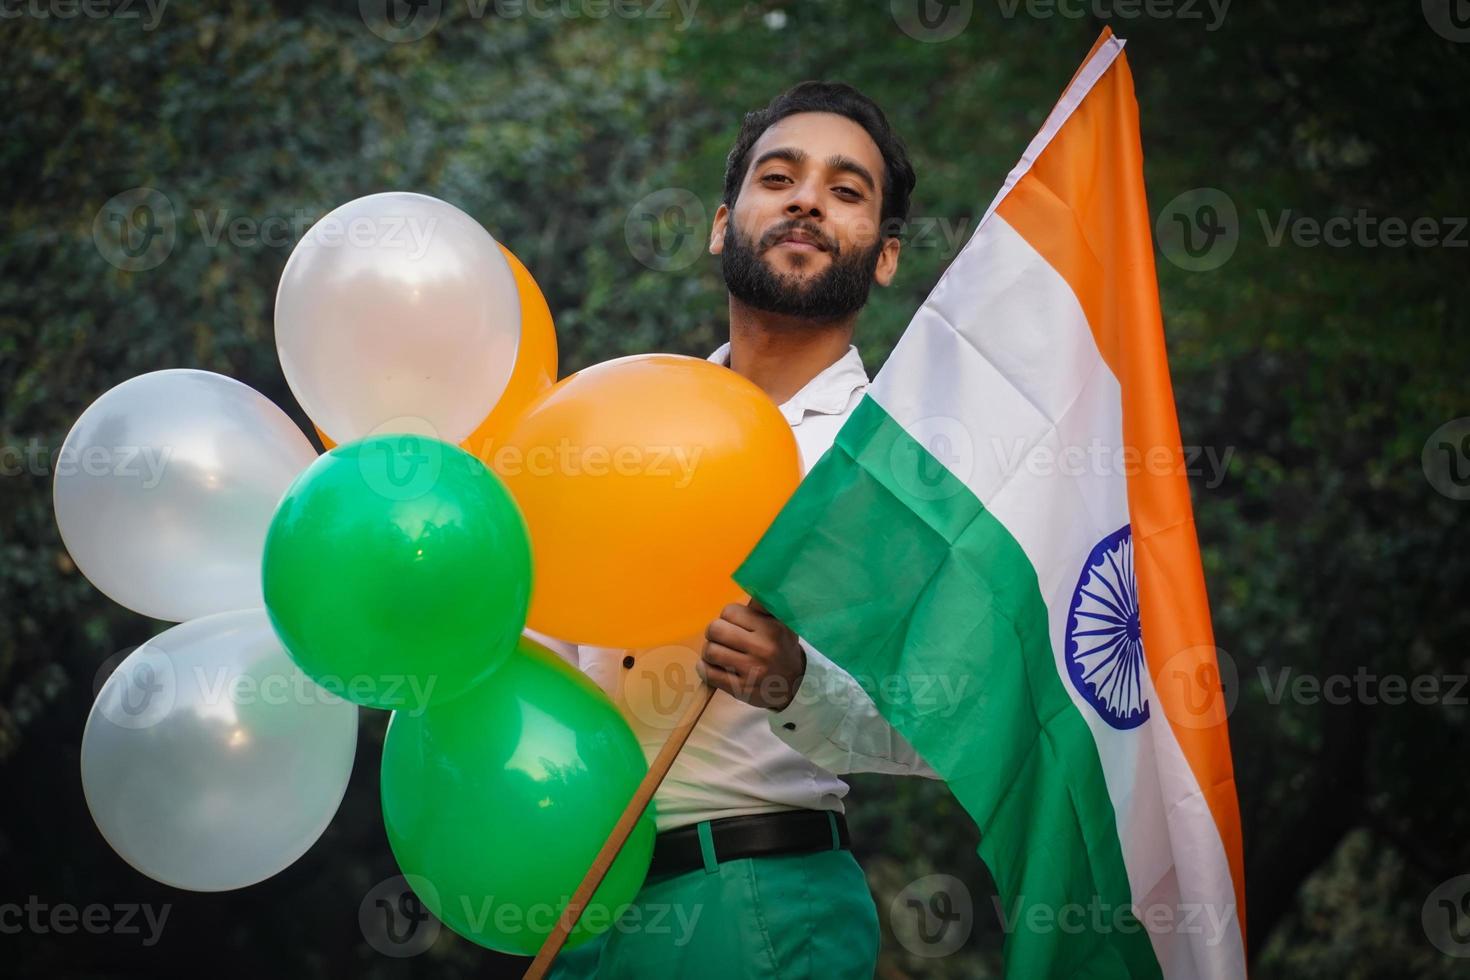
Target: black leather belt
(785, 832)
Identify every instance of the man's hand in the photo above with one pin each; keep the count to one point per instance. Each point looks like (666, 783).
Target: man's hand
(752, 655)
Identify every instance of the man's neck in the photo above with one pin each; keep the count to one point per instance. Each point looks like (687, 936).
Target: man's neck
(780, 353)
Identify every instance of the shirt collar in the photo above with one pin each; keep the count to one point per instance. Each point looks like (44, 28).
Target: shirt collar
(827, 394)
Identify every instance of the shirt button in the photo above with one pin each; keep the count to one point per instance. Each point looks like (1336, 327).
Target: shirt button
(627, 663)
(790, 726)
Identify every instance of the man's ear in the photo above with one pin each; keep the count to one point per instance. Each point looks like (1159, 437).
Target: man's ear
(887, 266)
(717, 230)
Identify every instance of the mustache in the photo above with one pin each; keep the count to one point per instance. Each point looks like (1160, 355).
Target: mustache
(775, 235)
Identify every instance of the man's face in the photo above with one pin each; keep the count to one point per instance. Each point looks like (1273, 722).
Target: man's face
(804, 238)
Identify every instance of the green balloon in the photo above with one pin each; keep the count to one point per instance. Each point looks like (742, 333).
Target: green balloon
(497, 803)
(397, 571)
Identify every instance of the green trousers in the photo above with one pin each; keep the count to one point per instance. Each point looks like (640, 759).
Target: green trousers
(791, 916)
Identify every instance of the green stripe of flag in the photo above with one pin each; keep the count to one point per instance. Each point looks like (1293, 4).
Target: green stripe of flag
(889, 565)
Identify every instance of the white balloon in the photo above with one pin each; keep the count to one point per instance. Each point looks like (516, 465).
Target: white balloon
(165, 488)
(210, 761)
(397, 305)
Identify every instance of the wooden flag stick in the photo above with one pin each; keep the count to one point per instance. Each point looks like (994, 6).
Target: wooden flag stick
(621, 831)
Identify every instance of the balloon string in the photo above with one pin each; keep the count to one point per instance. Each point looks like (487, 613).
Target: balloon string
(621, 831)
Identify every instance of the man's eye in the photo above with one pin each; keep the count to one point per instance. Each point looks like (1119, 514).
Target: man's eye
(849, 190)
(775, 177)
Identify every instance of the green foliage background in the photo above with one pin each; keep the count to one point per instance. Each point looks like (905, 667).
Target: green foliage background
(1323, 371)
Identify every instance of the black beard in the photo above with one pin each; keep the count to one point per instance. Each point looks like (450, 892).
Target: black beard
(838, 292)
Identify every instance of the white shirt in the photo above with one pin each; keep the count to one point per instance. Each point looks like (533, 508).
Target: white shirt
(742, 759)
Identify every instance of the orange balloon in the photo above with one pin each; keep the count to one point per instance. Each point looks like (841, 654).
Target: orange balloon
(535, 367)
(645, 481)
(533, 372)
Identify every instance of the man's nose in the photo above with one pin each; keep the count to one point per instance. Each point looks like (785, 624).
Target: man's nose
(804, 200)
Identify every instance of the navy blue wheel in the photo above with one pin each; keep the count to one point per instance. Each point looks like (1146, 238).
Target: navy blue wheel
(1104, 643)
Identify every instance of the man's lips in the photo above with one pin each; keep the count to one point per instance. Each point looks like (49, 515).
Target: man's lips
(800, 241)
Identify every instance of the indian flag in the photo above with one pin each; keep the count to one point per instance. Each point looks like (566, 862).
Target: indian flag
(1006, 513)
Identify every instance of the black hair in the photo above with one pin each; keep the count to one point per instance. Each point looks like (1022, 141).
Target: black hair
(844, 100)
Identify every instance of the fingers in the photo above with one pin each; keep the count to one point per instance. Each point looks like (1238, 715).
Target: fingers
(755, 606)
(715, 676)
(728, 634)
(713, 669)
(739, 649)
(742, 616)
(721, 656)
